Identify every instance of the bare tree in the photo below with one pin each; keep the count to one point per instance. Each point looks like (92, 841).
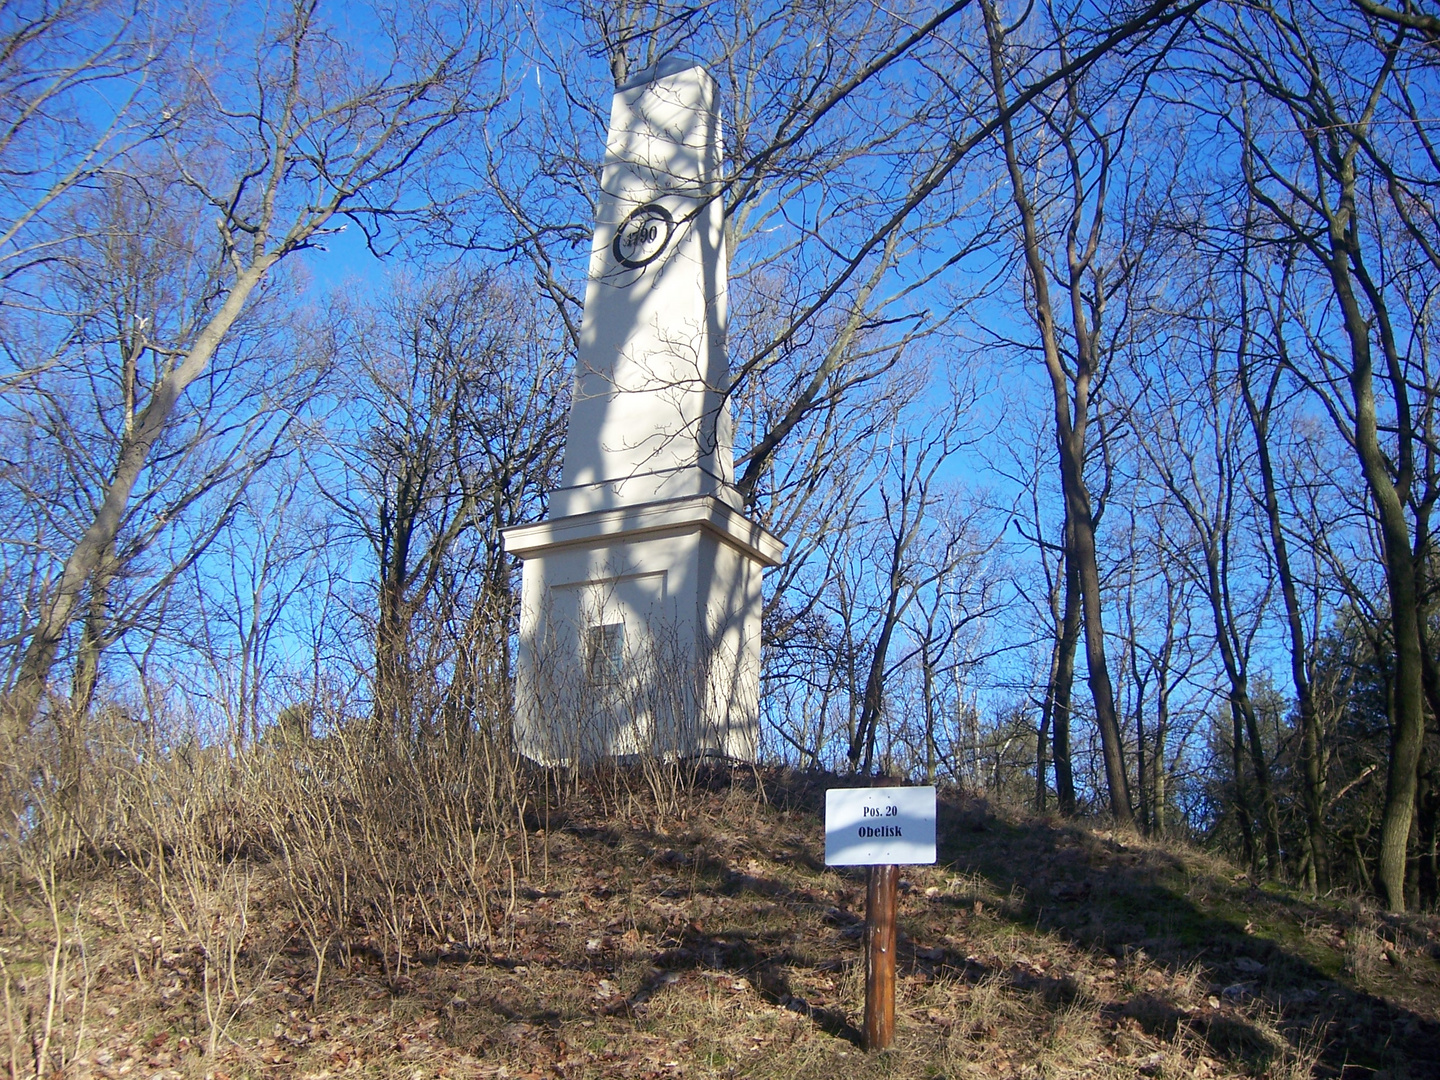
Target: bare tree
(283, 126)
(1074, 351)
(1195, 442)
(947, 624)
(1336, 157)
(448, 429)
(920, 556)
(813, 645)
(73, 104)
(132, 268)
(1171, 662)
(1058, 606)
(1262, 392)
(244, 593)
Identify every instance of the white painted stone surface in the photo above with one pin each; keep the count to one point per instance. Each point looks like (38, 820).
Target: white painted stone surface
(649, 418)
(640, 613)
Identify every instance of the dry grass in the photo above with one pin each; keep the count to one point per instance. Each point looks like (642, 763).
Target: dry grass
(326, 911)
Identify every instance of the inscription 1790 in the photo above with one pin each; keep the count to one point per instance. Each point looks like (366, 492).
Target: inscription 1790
(643, 236)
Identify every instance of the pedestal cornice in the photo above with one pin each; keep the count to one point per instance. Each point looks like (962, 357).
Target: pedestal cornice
(648, 519)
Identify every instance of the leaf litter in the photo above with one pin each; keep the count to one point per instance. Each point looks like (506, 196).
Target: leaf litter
(713, 942)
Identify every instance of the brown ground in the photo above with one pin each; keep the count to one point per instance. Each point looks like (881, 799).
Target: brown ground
(711, 941)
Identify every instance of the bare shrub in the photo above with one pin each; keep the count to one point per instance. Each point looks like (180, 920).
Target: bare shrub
(397, 845)
(397, 849)
(42, 898)
(183, 821)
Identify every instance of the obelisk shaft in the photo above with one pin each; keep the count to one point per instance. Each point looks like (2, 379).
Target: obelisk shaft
(649, 419)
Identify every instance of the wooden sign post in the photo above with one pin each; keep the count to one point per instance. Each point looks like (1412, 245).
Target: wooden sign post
(880, 957)
(880, 828)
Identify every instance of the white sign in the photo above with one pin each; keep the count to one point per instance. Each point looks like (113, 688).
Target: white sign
(879, 826)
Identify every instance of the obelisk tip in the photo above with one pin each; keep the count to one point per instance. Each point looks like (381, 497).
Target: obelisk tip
(670, 65)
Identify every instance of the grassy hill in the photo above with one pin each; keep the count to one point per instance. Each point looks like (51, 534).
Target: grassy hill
(634, 932)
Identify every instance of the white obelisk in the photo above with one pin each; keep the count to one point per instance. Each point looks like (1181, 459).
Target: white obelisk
(640, 608)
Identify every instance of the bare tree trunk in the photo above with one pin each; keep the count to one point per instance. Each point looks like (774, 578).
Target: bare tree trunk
(1427, 830)
(1099, 674)
(1064, 689)
(1427, 798)
(1042, 731)
(863, 745)
(57, 610)
(1069, 437)
(92, 639)
(1141, 802)
(1312, 785)
(1242, 804)
(1047, 703)
(932, 752)
(1271, 815)
(71, 722)
(1162, 726)
(1408, 728)
(393, 712)
(1059, 685)
(1243, 707)
(1141, 682)
(1166, 676)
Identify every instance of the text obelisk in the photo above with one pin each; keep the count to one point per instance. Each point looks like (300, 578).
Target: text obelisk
(640, 612)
